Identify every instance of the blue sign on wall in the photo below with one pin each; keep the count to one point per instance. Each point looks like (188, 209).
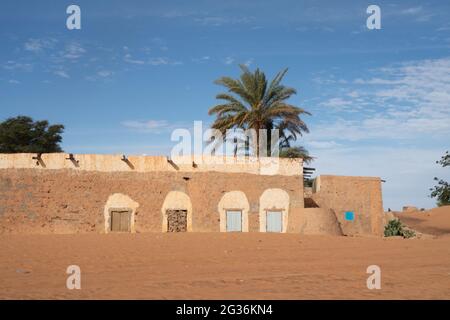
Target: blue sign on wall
(349, 215)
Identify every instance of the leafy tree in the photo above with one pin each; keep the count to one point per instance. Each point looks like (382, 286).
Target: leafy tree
(445, 160)
(253, 103)
(23, 135)
(442, 191)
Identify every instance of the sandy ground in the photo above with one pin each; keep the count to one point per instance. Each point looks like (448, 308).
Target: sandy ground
(222, 266)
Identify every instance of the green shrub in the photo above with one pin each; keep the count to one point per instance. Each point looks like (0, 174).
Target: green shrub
(396, 228)
(393, 228)
(408, 233)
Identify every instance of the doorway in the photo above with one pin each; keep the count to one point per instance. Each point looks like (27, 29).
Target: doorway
(274, 220)
(176, 220)
(120, 221)
(234, 221)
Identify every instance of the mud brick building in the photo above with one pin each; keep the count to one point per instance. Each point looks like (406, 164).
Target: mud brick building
(65, 193)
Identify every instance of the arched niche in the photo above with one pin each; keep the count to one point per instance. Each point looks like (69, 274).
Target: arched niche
(233, 201)
(177, 200)
(119, 202)
(273, 200)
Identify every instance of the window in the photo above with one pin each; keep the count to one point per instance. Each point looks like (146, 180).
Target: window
(234, 221)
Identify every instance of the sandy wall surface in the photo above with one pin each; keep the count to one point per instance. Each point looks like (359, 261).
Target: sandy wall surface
(68, 201)
(320, 221)
(222, 266)
(360, 195)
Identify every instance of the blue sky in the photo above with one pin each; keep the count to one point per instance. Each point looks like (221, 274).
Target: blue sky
(380, 99)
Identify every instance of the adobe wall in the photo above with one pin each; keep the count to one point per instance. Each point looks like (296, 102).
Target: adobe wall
(70, 200)
(319, 221)
(360, 195)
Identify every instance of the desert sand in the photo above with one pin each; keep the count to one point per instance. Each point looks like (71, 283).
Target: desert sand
(435, 221)
(222, 266)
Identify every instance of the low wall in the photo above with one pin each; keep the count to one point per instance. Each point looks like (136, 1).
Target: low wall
(115, 163)
(320, 221)
(359, 195)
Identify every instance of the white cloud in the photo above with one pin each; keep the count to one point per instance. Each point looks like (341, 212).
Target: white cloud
(327, 29)
(105, 73)
(212, 21)
(249, 62)
(420, 14)
(13, 65)
(73, 50)
(344, 130)
(443, 28)
(322, 79)
(353, 94)
(425, 86)
(217, 21)
(322, 144)
(39, 45)
(337, 103)
(62, 74)
(177, 14)
(408, 100)
(201, 59)
(153, 61)
(128, 58)
(149, 126)
(229, 60)
(375, 81)
(12, 81)
(412, 10)
(158, 61)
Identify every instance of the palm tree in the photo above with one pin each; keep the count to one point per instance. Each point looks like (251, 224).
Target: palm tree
(296, 152)
(252, 103)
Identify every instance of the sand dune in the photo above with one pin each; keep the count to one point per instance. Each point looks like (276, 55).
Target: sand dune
(435, 221)
(222, 266)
